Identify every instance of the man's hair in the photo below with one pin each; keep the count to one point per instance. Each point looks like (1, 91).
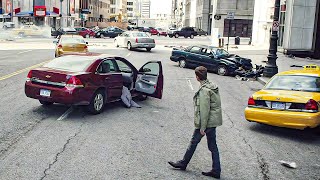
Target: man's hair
(201, 72)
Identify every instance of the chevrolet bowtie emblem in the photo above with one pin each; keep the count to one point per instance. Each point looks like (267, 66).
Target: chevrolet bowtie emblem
(278, 99)
(47, 76)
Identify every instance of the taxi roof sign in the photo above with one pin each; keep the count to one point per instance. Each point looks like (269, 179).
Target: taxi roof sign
(311, 67)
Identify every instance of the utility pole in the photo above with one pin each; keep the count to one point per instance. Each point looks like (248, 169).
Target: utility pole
(271, 68)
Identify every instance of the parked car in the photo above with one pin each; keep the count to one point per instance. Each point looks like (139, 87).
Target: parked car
(92, 80)
(133, 39)
(85, 32)
(290, 99)
(70, 43)
(61, 31)
(185, 32)
(110, 32)
(144, 29)
(158, 32)
(194, 56)
(201, 32)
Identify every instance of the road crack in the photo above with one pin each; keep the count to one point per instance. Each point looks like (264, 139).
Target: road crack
(263, 165)
(60, 152)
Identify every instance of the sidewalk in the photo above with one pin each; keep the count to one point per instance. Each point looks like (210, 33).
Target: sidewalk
(259, 56)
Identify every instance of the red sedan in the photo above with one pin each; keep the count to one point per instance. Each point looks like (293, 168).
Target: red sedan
(85, 32)
(158, 31)
(92, 79)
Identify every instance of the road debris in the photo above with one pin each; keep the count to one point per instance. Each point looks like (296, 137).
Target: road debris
(292, 165)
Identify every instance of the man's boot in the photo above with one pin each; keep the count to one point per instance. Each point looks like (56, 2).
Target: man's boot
(178, 165)
(211, 174)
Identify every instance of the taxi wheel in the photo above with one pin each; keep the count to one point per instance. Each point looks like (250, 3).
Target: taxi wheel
(45, 103)
(222, 70)
(97, 103)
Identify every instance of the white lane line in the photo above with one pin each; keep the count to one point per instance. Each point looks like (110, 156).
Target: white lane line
(65, 115)
(190, 84)
(24, 51)
(128, 54)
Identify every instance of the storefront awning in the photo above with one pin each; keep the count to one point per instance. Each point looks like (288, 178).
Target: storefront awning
(24, 14)
(51, 13)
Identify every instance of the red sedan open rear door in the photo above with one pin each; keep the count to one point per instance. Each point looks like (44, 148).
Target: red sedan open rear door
(150, 79)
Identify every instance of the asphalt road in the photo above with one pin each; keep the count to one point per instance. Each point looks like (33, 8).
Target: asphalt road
(135, 143)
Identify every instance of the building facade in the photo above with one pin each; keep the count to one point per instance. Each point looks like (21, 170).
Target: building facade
(145, 8)
(133, 9)
(99, 10)
(299, 26)
(177, 13)
(240, 26)
(118, 10)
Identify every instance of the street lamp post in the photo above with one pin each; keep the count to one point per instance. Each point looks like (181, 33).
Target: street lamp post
(11, 10)
(61, 19)
(271, 68)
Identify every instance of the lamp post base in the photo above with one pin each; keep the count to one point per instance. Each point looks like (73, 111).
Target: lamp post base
(270, 71)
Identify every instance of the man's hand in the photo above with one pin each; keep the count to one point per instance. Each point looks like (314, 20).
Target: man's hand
(202, 132)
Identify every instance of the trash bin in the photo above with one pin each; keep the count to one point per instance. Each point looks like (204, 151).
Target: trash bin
(221, 42)
(237, 40)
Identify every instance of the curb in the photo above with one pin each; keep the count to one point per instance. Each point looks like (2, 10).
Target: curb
(263, 80)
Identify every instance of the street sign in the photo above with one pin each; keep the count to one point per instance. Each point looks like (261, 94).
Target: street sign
(230, 15)
(275, 26)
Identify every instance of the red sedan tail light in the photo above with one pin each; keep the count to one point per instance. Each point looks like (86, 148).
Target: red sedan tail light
(60, 46)
(29, 76)
(312, 105)
(136, 40)
(86, 47)
(74, 82)
(251, 101)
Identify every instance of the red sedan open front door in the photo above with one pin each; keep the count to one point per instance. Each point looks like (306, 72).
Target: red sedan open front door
(150, 79)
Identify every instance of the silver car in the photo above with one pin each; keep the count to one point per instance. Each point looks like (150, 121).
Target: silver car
(134, 39)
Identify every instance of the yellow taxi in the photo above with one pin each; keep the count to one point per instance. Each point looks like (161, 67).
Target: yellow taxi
(290, 99)
(29, 30)
(70, 44)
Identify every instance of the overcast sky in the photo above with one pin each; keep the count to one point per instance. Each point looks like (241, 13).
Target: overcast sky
(160, 7)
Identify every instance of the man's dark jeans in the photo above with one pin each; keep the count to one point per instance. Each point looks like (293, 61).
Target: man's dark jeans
(212, 145)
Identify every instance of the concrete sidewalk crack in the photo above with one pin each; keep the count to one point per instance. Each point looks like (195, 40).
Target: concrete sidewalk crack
(60, 152)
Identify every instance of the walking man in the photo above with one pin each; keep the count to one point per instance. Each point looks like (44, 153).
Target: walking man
(207, 116)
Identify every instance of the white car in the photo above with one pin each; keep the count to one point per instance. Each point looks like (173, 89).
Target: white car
(134, 39)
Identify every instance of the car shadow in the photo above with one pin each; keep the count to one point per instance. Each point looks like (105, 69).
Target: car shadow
(50, 110)
(308, 136)
(141, 50)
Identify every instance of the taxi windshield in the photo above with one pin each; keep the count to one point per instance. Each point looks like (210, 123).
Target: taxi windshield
(295, 83)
